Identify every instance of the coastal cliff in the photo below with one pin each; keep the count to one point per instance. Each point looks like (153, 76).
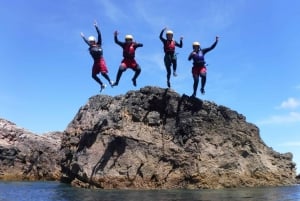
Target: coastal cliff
(153, 138)
(28, 156)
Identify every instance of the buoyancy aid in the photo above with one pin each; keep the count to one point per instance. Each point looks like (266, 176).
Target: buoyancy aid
(198, 59)
(129, 50)
(169, 46)
(96, 52)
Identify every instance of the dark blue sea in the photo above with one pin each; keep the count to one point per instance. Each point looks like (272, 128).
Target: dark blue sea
(54, 191)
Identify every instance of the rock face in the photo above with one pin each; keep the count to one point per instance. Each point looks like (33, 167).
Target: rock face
(27, 156)
(155, 138)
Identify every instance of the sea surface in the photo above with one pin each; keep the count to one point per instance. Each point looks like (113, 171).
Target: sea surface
(55, 191)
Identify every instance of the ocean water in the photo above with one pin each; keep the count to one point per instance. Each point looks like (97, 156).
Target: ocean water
(55, 191)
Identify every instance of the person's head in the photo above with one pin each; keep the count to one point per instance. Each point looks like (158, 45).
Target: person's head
(92, 40)
(128, 38)
(169, 34)
(196, 45)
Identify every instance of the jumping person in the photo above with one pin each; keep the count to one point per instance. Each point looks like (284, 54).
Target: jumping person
(199, 68)
(129, 47)
(170, 58)
(96, 51)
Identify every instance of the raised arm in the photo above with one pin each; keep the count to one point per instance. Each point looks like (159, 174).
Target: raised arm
(84, 39)
(161, 34)
(99, 41)
(116, 39)
(211, 47)
(180, 44)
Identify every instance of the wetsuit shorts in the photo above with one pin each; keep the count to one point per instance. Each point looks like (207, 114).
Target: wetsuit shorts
(100, 66)
(129, 63)
(199, 70)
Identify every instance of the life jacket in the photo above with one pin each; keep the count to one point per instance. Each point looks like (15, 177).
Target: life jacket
(198, 59)
(169, 46)
(129, 50)
(96, 52)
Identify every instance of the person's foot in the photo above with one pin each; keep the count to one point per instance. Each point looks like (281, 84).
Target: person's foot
(193, 95)
(168, 83)
(111, 83)
(102, 87)
(134, 82)
(174, 74)
(202, 91)
(114, 84)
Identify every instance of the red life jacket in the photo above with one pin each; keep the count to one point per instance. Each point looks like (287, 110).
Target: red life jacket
(129, 50)
(169, 46)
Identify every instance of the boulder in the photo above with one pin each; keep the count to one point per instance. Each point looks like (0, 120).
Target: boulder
(154, 138)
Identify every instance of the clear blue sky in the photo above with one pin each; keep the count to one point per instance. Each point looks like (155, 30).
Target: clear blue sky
(46, 68)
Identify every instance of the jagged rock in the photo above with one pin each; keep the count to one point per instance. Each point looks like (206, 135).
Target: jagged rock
(154, 138)
(27, 156)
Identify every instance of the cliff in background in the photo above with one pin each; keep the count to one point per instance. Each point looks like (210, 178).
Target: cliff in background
(27, 156)
(154, 138)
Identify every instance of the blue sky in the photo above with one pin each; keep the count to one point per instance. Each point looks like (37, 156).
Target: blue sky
(46, 69)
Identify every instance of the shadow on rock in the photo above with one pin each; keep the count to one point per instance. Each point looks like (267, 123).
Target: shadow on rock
(89, 138)
(117, 145)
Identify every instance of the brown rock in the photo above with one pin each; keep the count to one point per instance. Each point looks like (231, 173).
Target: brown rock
(155, 138)
(27, 156)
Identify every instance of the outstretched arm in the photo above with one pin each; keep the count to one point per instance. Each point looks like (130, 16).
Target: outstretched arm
(99, 34)
(211, 47)
(138, 45)
(84, 39)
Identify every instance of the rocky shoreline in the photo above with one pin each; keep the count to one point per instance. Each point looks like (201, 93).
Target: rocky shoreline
(28, 156)
(151, 138)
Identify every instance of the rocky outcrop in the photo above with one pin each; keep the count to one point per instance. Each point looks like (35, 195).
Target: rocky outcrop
(154, 138)
(27, 156)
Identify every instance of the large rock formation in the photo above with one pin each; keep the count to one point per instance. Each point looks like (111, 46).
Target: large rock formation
(27, 156)
(155, 138)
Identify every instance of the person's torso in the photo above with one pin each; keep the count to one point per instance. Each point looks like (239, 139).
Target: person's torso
(169, 46)
(96, 52)
(129, 50)
(198, 58)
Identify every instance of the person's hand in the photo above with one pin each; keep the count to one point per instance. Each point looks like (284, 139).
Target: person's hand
(95, 23)
(116, 33)
(217, 38)
(181, 38)
(81, 34)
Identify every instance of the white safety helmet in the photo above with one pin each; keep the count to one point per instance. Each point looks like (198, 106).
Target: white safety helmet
(169, 32)
(196, 43)
(128, 37)
(92, 39)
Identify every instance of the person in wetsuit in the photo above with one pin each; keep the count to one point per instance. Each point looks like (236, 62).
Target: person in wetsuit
(170, 58)
(129, 47)
(96, 51)
(199, 67)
